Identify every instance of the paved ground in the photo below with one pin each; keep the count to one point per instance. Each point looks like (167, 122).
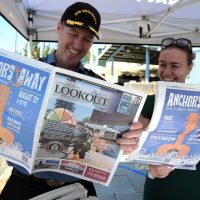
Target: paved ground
(127, 184)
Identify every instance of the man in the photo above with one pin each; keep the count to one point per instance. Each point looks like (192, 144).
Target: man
(76, 30)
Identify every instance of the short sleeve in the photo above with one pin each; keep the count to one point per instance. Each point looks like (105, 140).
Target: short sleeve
(148, 107)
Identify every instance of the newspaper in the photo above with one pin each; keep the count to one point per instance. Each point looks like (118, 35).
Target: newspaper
(53, 119)
(172, 135)
(74, 191)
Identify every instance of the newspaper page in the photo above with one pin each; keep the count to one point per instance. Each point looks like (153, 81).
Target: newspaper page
(84, 116)
(172, 136)
(23, 84)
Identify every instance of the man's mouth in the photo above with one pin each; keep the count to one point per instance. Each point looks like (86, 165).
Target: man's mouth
(72, 51)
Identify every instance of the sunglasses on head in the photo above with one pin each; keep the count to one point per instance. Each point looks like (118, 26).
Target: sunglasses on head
(181, 42)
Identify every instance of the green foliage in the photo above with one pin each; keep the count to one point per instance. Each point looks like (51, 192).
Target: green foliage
(36, 50)
(25, 49)
(87, 119)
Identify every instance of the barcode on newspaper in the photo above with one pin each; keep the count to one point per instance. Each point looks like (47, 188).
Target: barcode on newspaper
(25, 158)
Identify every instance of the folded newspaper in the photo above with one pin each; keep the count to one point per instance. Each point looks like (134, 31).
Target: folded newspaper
(172, 136)
(70, 192)
(52, 119)
(73, 191)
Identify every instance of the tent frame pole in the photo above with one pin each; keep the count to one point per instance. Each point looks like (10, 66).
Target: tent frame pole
(30, 33)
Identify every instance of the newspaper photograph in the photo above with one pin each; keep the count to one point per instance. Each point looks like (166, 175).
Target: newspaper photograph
(173, 134)
(23, 84)
(82, 121)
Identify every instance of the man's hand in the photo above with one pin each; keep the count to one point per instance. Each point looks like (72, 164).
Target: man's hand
(129, 140)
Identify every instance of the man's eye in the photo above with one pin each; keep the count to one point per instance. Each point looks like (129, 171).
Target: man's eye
(74, 34)
(88, 40)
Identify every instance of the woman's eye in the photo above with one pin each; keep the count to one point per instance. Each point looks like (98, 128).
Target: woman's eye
(162, 65)
(174, 66)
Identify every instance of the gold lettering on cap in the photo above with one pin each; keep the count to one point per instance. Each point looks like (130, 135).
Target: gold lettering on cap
(78, 12)
(88, 12)
(93, 30)
(74, 22)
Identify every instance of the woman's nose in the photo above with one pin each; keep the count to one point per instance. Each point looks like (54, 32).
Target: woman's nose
(167, 71)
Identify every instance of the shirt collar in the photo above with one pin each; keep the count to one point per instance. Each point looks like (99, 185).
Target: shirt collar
(52, 61)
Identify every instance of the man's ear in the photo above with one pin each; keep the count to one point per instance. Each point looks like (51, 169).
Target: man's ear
(59, 26)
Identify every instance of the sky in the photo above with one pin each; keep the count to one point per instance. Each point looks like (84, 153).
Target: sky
(9, 38)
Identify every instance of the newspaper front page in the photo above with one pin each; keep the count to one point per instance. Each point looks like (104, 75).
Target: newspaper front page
(82, 121)
(53, 119)
(173, 133)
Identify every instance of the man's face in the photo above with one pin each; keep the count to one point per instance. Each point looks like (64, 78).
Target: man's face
(73, 45)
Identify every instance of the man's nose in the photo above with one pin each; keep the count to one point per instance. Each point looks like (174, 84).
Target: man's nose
(78, 43)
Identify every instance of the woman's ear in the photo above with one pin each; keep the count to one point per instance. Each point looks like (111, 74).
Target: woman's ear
(190, 69)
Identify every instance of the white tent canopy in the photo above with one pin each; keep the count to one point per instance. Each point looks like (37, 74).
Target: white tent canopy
(121, 20)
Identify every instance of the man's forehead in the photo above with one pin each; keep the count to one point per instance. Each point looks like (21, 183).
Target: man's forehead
(80, 30)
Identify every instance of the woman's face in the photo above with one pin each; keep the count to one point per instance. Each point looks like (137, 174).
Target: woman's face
(173, 65)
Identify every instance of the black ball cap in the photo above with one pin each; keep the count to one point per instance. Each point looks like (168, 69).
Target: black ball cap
(82, 15)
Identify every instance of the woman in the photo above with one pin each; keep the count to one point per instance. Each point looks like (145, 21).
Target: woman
(175, 64)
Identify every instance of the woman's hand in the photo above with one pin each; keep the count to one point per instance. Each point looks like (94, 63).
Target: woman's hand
(160, 171)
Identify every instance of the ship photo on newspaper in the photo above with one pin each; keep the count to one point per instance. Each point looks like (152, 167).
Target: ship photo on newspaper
(81, 124)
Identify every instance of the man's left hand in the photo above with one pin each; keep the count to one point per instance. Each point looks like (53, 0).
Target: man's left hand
(129, 140)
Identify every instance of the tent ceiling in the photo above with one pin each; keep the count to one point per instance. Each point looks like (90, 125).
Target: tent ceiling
(129, 53)
(121, 20)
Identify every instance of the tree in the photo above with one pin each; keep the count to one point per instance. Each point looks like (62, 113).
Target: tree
(47, 50)
(36, 50)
